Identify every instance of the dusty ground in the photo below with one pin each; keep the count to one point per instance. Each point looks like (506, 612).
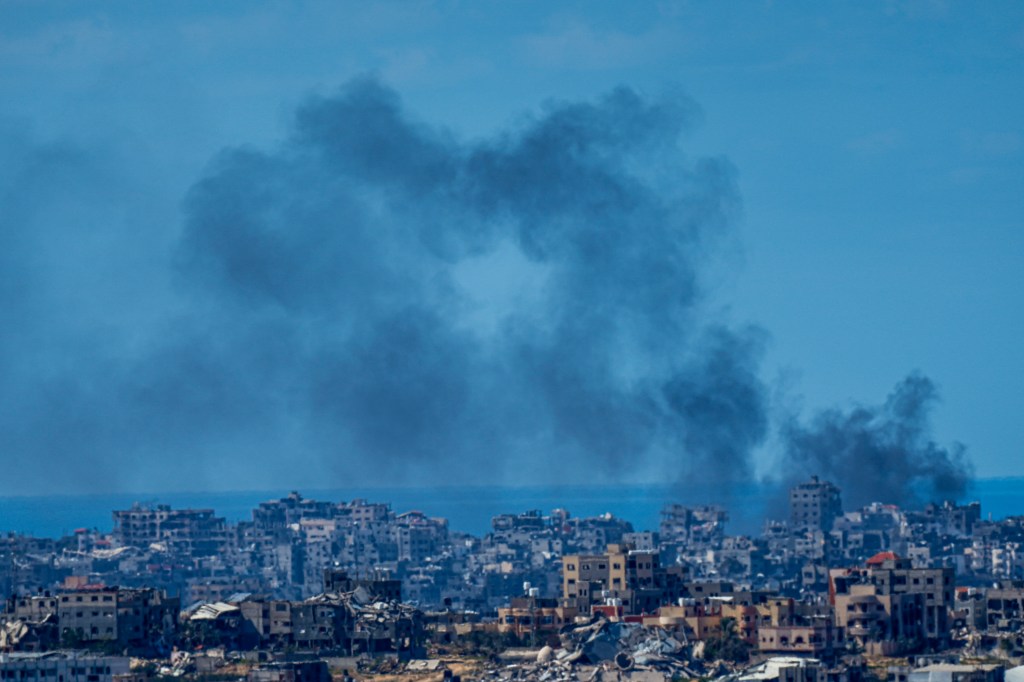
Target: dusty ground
(465, 668)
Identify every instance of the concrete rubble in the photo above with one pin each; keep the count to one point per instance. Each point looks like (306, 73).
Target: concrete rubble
(373, 619)
(181, 663)
(604, 650)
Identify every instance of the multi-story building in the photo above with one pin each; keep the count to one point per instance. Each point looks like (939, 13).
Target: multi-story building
(276, 514)
(186, 532)
(785, 626)
(694, 526)
(379, 585)
(418, 537)
(814, 505)
(320, 624)
(890, 601)
(144, 617)
(531, 618)
(33, 608)
(271, 619)
(1004, 606)
(630, 578)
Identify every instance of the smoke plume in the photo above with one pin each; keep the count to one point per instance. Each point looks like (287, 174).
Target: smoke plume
(527, 299)
(881, 453)
(376, 298)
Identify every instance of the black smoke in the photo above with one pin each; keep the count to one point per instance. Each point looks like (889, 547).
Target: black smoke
(353, 240)
(883, 453)
(377, 299)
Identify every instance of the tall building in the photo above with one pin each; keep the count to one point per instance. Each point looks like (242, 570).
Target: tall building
(189, 532)
(888, 600)
(814, 505)
(622, 577)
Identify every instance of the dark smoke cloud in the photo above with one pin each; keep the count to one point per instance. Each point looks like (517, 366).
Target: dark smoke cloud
(354, 236)
(881, 453)
(377, 298)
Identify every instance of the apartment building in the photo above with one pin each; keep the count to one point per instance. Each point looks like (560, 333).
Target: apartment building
(814, 505)
(890, 601)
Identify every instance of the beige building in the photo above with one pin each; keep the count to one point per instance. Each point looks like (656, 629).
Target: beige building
(622, 577)
(697, 621)
(531, 617)
(889, 603)
(813, 640)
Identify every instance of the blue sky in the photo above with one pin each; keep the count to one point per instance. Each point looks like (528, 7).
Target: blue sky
(878, 151)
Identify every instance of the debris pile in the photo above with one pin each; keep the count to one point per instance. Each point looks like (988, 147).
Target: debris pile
(26, 635)
(381, 625)
(604, 650)
(12, 633)
(181, 664)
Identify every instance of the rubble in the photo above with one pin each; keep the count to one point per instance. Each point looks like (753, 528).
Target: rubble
(602, 650)
(376, 625)
(181, 663)
(421, 665)
(25, 635)
(11, 634)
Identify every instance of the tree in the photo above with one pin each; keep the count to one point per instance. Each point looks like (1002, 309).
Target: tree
(727, 645)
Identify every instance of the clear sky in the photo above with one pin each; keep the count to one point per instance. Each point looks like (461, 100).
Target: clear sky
(877, 149)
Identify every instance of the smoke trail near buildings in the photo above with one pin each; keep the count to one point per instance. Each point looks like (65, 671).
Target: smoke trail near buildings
(377, 243)
(376, 298)
(881, 453)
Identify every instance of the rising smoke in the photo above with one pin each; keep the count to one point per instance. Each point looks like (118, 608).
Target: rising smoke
(358, 234)
(377, 297)
(881, 453)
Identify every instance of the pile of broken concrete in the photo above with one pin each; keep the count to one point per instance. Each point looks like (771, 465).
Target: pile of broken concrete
(604, 650)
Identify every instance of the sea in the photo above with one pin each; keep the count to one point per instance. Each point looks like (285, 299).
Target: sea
(468, 509)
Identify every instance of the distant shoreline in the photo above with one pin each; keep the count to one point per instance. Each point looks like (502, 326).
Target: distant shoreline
(468, 508)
